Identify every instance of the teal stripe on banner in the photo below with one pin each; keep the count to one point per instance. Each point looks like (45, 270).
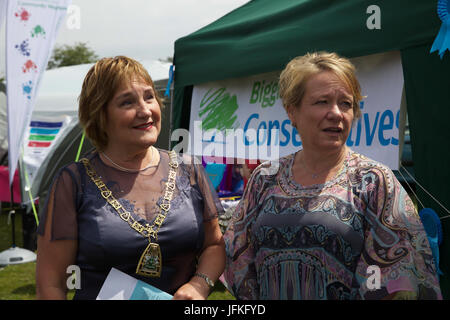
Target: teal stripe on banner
(43, 131)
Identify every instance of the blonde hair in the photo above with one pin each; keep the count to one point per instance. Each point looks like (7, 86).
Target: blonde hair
(298, 71)
(99, 87)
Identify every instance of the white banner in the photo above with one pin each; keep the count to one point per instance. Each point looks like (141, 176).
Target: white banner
(31, 28)
(244, 118)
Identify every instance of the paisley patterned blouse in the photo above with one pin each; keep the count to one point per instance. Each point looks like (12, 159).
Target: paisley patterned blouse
(355, 237)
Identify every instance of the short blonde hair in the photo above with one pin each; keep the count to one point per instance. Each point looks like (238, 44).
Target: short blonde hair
(298, 71)
(99, 87)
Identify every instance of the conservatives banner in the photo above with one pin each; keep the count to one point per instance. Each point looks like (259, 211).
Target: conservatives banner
(245, 118)
(31, 28)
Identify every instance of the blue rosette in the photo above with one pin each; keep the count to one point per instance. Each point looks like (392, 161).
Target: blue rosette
(442, 41)
(433, 228)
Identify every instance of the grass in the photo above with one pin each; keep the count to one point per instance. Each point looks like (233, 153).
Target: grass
(220, 293)
(18, 282)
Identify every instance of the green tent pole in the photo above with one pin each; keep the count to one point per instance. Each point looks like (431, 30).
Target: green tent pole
(30, 195)
(79, 147)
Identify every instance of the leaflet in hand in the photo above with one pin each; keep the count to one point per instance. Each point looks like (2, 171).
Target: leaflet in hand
(121, 286)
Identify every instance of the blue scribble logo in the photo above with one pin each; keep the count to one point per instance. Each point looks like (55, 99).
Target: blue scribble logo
(23, 48)
(27, 88)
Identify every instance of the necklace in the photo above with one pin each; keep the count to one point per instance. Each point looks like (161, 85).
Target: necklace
(317, 174)
(150, 262)
(130, 170)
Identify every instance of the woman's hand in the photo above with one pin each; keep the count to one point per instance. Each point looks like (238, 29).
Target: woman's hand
(211, 263)
(193, 290)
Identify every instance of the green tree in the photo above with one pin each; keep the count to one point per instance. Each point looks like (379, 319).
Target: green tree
(67, 55)
(2, 85)
(168, 59)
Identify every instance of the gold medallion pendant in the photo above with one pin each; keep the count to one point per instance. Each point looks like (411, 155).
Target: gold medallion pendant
(150, 263)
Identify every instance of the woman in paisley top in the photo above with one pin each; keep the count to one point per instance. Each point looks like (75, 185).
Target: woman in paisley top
(120, 111)
(326, 222)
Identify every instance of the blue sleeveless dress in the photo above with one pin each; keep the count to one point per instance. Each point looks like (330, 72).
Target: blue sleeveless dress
(104, 240)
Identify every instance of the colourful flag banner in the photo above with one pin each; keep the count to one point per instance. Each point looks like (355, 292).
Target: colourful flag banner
(31, 29)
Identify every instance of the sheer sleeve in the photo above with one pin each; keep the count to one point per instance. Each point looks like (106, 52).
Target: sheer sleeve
(395, 243)
(240, 272)
(212, 205)
(60, 206)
